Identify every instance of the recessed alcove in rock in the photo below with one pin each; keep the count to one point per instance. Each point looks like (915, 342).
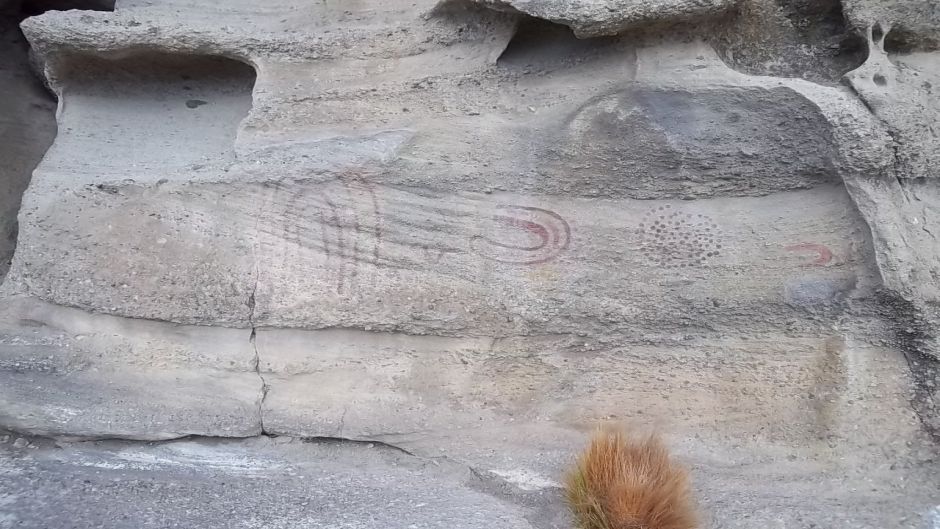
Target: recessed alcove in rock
(542, 45)
(148, 112)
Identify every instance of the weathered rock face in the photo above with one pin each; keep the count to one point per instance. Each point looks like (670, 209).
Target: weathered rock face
(465, 230)
(806, 39)
(610, 17)
(27, 127)
(914, 24)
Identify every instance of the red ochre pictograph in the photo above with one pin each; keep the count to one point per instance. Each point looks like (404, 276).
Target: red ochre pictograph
(823, 253)
(524, 235)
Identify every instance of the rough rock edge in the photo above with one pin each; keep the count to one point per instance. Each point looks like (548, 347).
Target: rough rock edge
(610, 17)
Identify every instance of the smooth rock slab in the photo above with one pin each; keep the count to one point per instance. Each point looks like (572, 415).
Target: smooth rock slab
(354, 253)
(447, 396)
(256, 484)
(286, 483)
(67, 373)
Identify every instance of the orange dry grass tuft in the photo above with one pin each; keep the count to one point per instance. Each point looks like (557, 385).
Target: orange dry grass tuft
(621, 482)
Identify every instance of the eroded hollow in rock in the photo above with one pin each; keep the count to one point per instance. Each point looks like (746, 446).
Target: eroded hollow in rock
(27, 112)
(542, 45)
(145, 112)
(901, 40)
(809, 39)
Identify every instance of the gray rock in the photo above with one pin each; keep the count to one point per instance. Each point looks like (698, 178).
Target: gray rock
(609, 17)
(287, 483)
(898, 200)
(907, 24)
(69, 373)
(249, 484)
(441, 229)
(805, 39)
(899, 89)
(28, 128)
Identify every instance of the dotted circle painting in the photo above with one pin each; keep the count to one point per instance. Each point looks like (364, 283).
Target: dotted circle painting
(676, 239)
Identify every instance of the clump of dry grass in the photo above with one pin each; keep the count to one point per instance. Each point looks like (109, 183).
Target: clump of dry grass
(625, 482)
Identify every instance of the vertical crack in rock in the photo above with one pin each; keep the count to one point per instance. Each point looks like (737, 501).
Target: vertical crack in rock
(257, 362)
(342, 421)
(251, 303)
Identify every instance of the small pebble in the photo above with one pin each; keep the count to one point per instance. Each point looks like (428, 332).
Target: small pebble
(20, 443)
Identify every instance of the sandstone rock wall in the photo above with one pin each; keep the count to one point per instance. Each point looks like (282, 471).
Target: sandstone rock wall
(460, 225)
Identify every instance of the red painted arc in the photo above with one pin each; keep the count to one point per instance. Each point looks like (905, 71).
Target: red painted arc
(823, 253)
(553, 236)
(527, 225)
